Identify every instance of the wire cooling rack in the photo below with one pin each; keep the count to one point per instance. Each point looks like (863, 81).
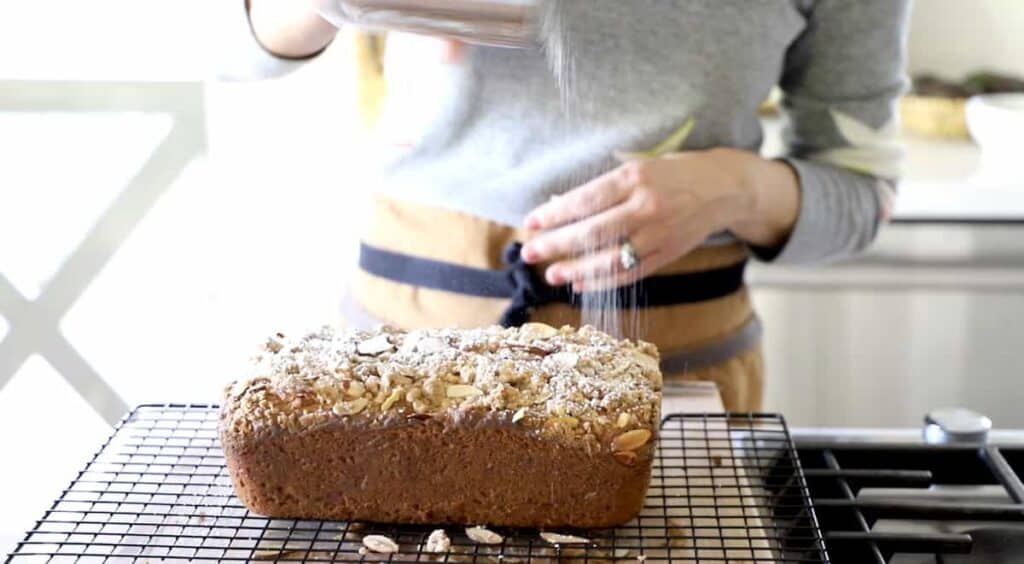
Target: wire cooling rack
(725, 488)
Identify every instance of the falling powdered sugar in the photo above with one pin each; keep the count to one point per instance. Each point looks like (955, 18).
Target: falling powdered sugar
(611, 310)
(557, 45)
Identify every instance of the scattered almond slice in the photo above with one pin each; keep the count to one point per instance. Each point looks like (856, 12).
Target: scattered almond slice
(631, 440)
(350, 407)
(375, 345)
(410, 341)
(401, 380)
(483, 536)
(565, 359)
(355, 389)
(391, 399)
(438, 541)
(430, 345)
(461, 391)
(380, 544)
(561, 422)
(556, 538)
(535, 330)
(519, 415)
(625, 458)
(390, 380)
(622, 421)
(680, 522)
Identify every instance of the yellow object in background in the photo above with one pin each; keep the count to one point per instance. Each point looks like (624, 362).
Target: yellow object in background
(370, 84)
(934, 116)
(770, 105)
(670, 144)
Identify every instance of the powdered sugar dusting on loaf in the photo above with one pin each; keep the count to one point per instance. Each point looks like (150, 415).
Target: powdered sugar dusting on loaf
(558, 381)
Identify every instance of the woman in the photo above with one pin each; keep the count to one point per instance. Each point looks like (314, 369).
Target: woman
(468, 229)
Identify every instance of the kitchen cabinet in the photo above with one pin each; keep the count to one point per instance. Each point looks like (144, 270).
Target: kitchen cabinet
(929, 317)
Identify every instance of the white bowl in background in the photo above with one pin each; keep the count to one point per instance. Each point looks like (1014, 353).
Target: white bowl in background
(996, 122)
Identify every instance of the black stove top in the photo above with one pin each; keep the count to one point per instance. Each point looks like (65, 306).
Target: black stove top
(907, 501)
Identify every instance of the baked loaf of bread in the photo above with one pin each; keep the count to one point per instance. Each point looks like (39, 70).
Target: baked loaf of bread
(531, 426)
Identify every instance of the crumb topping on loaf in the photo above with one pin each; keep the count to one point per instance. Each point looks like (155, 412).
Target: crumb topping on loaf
(567, 382)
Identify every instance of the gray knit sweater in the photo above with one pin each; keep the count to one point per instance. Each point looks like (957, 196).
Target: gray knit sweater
(498, 138)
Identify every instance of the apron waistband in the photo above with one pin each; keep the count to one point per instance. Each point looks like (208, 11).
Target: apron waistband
(520, 283)
(699, 358)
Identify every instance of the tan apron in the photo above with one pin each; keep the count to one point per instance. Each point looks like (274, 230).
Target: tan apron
(455, 237)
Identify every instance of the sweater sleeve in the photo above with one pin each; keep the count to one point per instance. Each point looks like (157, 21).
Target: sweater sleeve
(840, 82)
(239, 55)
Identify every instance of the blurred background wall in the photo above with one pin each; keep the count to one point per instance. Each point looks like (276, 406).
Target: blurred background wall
(953, 37)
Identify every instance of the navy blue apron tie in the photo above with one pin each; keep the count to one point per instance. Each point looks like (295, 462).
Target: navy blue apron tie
(520, 282)
(529, 290)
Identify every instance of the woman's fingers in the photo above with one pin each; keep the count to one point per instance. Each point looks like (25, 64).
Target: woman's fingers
(667, 206)
(453, 51)
(603, 263)
(646, 267)
(655, 244)
(587, 253)
(595, 196)
(586, 235)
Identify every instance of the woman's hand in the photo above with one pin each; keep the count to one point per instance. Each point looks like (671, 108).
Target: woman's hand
(290, 28)
(665, 207)
(300, 28)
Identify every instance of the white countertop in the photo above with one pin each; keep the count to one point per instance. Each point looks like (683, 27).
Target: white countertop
(957, 180)
(947, 180)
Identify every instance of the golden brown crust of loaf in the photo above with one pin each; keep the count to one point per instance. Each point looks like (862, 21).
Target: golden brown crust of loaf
(533, 426)
(425, 471)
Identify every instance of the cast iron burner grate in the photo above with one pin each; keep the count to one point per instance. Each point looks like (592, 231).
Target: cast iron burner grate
(726, 488)
(839, 473)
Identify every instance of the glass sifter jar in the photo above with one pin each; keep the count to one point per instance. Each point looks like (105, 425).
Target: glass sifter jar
(507, 23)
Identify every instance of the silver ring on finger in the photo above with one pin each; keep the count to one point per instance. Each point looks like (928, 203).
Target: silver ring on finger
(628, 259)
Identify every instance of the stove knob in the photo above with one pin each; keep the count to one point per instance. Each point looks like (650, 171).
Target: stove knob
(956, 425)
